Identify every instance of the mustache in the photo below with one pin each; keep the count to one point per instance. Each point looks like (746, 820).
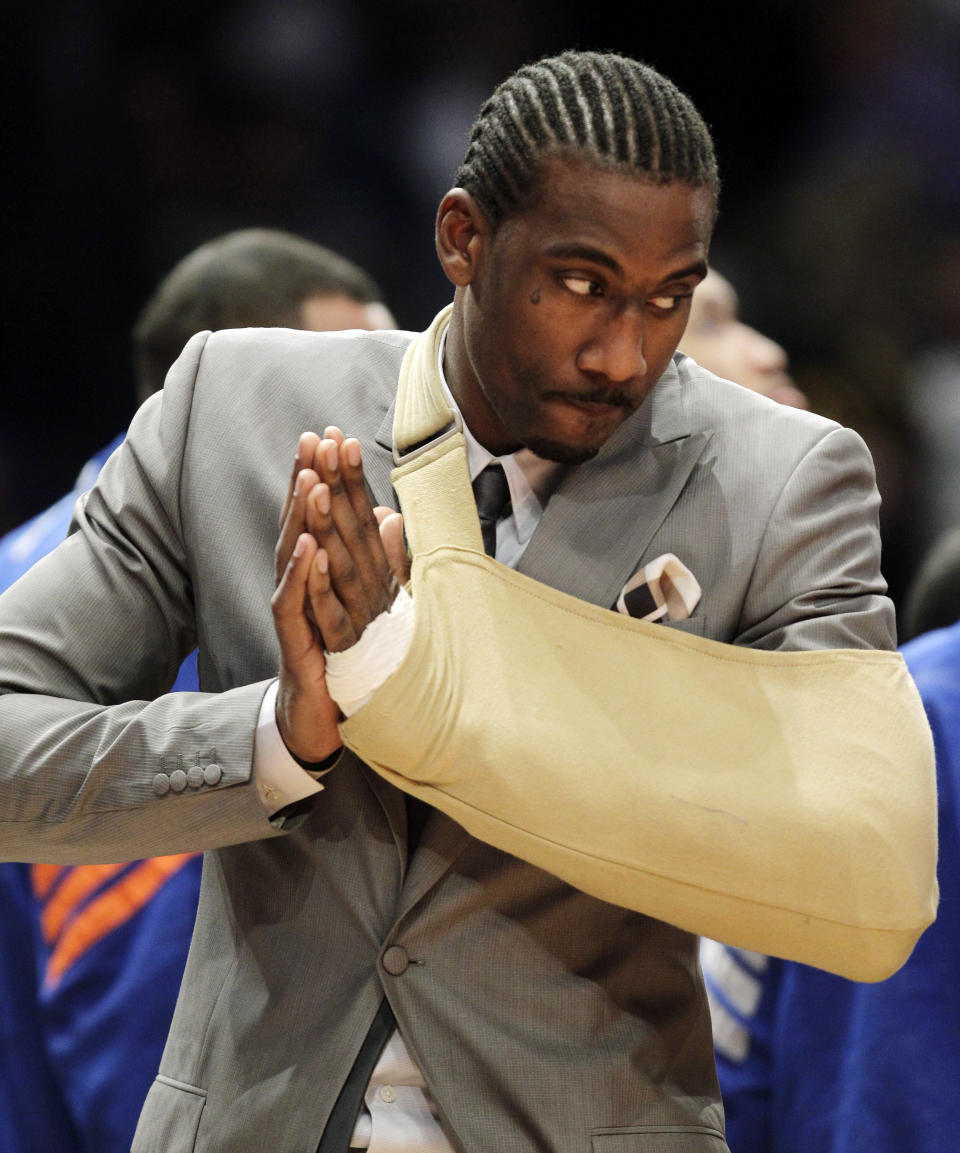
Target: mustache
(615, 397)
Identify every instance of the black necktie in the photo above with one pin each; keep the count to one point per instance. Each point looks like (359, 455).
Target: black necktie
(493, 496)
(343, 1118)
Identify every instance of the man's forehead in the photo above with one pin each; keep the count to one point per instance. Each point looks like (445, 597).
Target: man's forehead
(582, 201)
(584, 166)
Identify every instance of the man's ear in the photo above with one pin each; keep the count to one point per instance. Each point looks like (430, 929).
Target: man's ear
(461, 232)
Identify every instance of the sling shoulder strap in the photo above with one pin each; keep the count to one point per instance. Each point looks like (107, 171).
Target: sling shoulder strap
(791, 812)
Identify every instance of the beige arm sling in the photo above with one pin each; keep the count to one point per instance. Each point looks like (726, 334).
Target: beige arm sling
(792, 810)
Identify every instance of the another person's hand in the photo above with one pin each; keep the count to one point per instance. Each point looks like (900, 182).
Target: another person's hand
(338, 563)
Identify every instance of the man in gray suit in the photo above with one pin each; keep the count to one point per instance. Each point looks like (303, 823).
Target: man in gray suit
(364, 973)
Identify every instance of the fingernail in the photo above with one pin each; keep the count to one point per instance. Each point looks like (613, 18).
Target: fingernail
(331, 455)
(299, 484)
(323, 561)
(352, 453)
(323, 499)
(298, 548)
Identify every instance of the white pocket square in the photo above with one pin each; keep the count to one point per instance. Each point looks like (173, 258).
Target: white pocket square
(663, 590)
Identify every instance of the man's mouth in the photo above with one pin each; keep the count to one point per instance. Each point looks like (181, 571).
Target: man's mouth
(596, 401)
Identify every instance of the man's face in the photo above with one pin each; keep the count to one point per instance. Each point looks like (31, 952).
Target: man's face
(718, 340)
(575, 307)
(330, 312)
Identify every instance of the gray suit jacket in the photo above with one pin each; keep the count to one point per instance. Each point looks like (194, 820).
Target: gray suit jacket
(543, 1019)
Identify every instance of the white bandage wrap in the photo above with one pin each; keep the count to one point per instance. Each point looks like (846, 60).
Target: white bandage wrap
(355, 674)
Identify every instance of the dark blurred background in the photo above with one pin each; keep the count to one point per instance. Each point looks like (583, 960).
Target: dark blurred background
(137, 131)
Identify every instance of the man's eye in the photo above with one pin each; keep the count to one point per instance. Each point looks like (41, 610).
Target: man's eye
(668, 303)
(581, 285)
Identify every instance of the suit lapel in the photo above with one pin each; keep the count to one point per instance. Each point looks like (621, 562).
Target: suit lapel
(391, 800)
(443, 840)
(603, 514)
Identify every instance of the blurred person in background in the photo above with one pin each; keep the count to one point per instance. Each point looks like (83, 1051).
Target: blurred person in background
(720, 341)
(255, 277)
(91, 956)
(932, 599)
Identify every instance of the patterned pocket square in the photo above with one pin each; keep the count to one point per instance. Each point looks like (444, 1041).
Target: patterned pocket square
(663, 590)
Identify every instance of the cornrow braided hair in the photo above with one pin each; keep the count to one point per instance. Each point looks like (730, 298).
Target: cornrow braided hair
(613, 110)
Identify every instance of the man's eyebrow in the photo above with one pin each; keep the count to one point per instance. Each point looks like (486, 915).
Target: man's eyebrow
(698, 269)
(605, 260)
(585, 252)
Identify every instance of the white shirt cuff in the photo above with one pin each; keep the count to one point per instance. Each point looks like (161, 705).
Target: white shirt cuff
(278, 778)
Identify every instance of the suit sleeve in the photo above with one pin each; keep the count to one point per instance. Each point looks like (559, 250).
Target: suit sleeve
(816, 582)
(92, 767)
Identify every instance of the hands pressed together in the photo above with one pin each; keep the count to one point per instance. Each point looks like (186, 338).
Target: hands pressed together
(338, 564)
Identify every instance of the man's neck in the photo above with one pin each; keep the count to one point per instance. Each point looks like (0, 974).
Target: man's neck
(461, 380)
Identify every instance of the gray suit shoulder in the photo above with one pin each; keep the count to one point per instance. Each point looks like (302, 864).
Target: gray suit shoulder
(320, 372)
(712, 399)
(272, 340)
(712, 403)
(268, 345)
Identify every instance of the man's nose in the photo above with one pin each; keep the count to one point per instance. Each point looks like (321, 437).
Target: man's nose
(616, 350)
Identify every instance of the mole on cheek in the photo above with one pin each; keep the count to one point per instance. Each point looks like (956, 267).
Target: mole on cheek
(535, 296)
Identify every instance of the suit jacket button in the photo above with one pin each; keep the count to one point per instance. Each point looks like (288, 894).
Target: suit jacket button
(178, 780)
(395, 960)
(194, 776)
(212, 773)
(161, 784)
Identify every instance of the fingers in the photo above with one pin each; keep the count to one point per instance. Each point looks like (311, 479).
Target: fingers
(303, 458)
(351, 579)
(344, 524)
(307, 577)
(298, 640)
(294, 520)
(334, 622)
(355, 486)
(391, 536)
(341, 570)
(306, 715)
